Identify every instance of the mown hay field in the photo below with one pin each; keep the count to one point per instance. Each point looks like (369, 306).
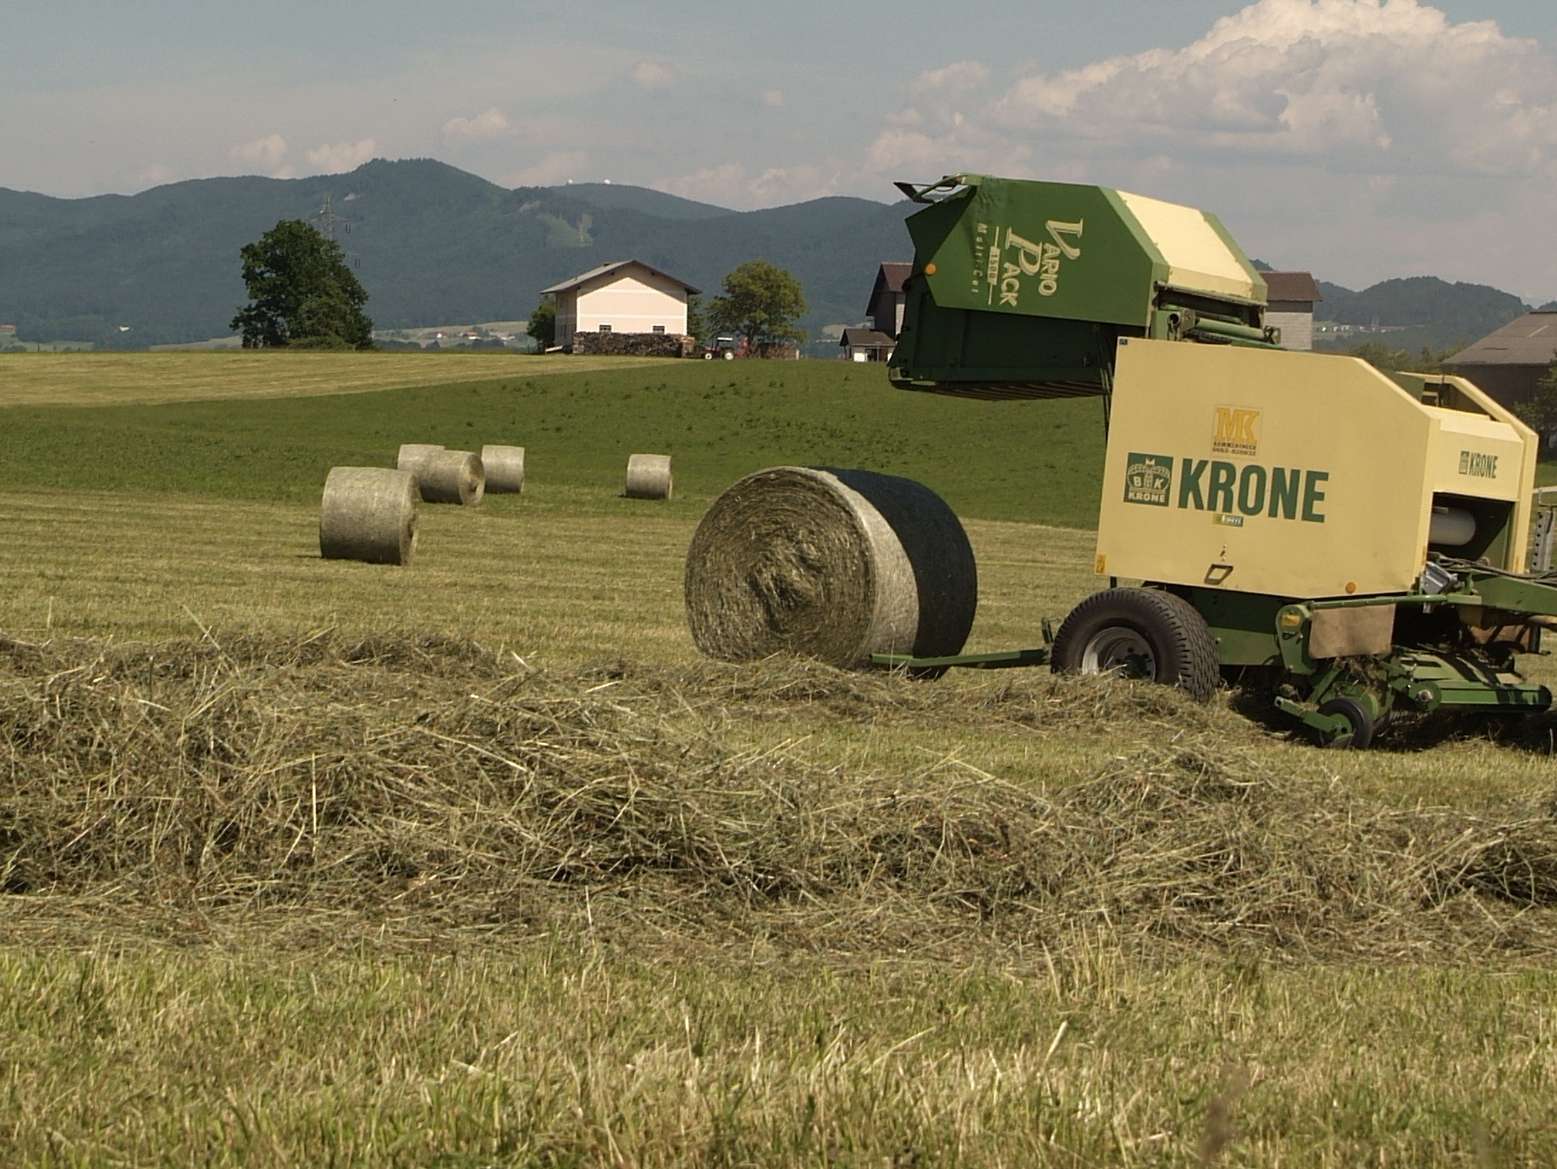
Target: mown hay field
(478, 863)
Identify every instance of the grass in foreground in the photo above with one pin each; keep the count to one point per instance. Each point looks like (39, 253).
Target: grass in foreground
(451, 912)
(570, 1054)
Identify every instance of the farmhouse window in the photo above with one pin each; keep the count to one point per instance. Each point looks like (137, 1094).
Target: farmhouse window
(605, 328)
(659, 328)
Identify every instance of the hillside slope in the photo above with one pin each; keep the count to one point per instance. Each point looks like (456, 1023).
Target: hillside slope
(431, 242)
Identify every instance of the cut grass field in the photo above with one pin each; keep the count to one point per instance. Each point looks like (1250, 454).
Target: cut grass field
(476, 863)
(103, 379)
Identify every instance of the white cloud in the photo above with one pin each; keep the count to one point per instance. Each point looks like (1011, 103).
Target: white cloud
(265, 153)
(1393, 87)
(335, 158)
(654, 75)
(554, 168)
(956, 77)
(773, 98)
(731, 185)
(490, 123)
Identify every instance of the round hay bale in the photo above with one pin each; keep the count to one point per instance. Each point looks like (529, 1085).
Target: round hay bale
(452, 477)
(831, 564)
(412, 454)
(505, 468)
(648, 477)
(368, 514)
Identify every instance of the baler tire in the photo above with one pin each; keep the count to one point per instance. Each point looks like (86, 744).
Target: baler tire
(1360, 718)
(1183, 652)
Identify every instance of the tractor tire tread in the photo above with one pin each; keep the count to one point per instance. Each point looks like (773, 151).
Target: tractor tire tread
(1176, 626)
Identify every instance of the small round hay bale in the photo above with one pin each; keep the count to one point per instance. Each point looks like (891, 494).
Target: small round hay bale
(412, 454)
(648, 477)
(452, 477)
(505, 469)
(831, 564)
(368, 514)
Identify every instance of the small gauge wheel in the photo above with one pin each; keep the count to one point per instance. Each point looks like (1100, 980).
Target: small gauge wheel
(1360, 723)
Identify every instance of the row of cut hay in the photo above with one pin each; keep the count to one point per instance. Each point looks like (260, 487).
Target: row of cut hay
(328, 776)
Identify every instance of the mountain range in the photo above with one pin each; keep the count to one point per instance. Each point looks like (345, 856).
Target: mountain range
(436, 244)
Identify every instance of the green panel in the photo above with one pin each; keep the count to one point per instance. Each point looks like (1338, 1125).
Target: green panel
(1244, 624)
(1038, 250)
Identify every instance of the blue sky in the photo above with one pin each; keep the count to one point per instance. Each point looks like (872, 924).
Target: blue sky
(1359, 138)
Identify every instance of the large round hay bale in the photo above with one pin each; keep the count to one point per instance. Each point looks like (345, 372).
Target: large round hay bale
(412, 455)
(504, 468)
(368, 514)
(452, 477)
(832, 564)
(648, 477)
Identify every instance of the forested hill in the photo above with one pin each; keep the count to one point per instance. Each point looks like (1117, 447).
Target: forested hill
(1439, 314)
(432, 243)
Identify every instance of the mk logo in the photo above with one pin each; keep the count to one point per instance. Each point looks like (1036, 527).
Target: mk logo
(1237, 431)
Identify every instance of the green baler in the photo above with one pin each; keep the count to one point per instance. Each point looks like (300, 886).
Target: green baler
(1360, 541)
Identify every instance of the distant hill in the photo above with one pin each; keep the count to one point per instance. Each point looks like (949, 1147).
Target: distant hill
(436, 244)
(1428, 311)
(432, 243)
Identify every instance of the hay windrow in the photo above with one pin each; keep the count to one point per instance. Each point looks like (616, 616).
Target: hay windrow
(325, 774)
(832, 564)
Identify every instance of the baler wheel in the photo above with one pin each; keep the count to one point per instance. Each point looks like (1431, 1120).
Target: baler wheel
(1139, 633)
(1362, 725)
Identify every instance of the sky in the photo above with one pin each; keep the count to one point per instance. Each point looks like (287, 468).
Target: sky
(1360, 139)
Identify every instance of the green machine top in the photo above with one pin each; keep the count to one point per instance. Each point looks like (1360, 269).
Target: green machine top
(1022, 289)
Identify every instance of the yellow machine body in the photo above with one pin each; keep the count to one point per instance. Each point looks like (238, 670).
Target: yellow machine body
(1303, 475)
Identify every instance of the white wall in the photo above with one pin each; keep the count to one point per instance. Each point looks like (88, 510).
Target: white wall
(630, 300)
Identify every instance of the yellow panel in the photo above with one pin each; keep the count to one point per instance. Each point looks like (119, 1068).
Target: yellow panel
(1198, 258)
(1294, 474)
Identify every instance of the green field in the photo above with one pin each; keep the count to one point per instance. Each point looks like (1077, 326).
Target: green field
(477, 863)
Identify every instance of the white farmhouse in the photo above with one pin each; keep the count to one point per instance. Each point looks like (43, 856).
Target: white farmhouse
(627, 296)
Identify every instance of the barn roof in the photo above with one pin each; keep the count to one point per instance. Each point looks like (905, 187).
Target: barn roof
(605, 269)
(889, 278)
(1291, 286)
(1531, 340)
(866, 339)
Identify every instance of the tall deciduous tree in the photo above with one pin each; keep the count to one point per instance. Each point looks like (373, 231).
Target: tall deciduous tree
(301, 293)
(761, 302)
(1539, 410)
(543, 325)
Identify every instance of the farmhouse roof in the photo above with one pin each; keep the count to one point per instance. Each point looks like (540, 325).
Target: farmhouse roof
(1291, 286)
(865, 339)
(1531, 340)
(893, 273)
(605, 269)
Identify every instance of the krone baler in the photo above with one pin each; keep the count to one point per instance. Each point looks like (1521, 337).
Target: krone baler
(1360, 542)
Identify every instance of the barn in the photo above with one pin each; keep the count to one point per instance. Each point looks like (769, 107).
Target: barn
(1509, 363)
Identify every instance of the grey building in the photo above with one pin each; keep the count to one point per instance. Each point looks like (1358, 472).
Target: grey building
(1290, 299)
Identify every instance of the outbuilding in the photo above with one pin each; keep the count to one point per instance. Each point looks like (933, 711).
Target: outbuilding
(887, 297)
(1290, 298)
(1510, 363)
